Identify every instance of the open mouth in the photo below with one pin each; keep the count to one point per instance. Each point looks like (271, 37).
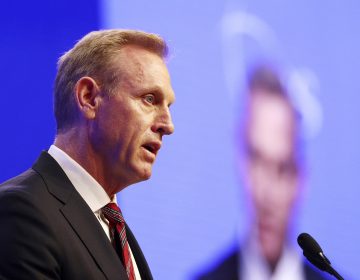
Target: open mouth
(153, 147)
(149, 148)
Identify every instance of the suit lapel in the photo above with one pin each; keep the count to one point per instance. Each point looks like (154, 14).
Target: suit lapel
(93, 237)
(138, 255)
(80, 217)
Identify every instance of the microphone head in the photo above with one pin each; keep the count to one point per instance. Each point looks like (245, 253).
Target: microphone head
(313, 252)
(308, 244)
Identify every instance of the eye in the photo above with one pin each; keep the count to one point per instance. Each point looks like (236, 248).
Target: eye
(149, 98)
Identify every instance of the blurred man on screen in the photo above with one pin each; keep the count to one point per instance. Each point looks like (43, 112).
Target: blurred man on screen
(60, 219)
(271, 171)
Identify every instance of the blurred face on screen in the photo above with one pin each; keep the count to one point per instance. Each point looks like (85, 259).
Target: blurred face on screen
(271, 169)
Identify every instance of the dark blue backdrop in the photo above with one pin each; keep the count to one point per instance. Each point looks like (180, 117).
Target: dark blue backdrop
(34, 35)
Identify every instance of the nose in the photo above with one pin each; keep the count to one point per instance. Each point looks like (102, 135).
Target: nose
(164, 125)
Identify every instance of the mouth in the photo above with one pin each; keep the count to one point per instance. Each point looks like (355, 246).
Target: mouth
(152, 147)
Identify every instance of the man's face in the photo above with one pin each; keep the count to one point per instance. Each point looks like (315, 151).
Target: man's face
(128, 129)
(272, 174)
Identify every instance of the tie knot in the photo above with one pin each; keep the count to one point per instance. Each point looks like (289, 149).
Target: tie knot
(113, 213)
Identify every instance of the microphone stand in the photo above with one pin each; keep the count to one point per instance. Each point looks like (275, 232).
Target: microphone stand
(333, 272)
(313, 252)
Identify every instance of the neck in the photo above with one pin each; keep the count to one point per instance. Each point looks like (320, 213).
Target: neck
(272, 263)
(75, 143)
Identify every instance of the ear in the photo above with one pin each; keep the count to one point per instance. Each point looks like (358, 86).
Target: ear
(88, 97)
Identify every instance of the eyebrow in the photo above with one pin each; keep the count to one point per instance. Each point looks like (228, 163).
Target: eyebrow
(158, 90)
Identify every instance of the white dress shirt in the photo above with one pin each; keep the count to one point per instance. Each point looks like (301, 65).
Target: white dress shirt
(90, 190)
(254, 267)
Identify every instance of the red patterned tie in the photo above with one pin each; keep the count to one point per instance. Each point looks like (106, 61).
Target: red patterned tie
(118, 234)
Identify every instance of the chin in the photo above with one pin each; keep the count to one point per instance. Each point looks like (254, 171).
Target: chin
(138, 171)
(271, 247)
(144, 174)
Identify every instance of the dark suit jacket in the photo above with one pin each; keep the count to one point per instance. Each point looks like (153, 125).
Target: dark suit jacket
(228, 269)
(47, 231)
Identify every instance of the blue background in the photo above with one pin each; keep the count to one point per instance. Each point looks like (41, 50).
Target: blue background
(195, 188)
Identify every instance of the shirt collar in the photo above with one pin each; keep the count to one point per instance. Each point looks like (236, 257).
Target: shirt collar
(290, 265)
(89, 189)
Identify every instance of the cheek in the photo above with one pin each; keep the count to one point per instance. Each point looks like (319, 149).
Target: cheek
(286, 200)
(259, 187)
(258, 202)
(98, 133)
(105, 134)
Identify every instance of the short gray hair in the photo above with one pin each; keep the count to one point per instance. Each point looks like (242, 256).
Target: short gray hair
(92, 56)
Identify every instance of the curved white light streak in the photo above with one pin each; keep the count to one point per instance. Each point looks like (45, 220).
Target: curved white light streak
(237, 27)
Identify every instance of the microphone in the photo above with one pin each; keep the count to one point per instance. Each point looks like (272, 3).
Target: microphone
(313, 252)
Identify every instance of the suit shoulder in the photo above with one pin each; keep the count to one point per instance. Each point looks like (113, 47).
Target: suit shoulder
(312, 274)
(22, 196)
(224, 268)
(24, 182)
(29, 186)
(22, 193)
(23, 214)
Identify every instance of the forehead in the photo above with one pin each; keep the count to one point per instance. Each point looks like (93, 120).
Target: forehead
(141, 68)
(271, 126)
(134, 55)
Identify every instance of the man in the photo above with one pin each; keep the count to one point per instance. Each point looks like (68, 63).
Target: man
(59, 219)
(271, 170)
